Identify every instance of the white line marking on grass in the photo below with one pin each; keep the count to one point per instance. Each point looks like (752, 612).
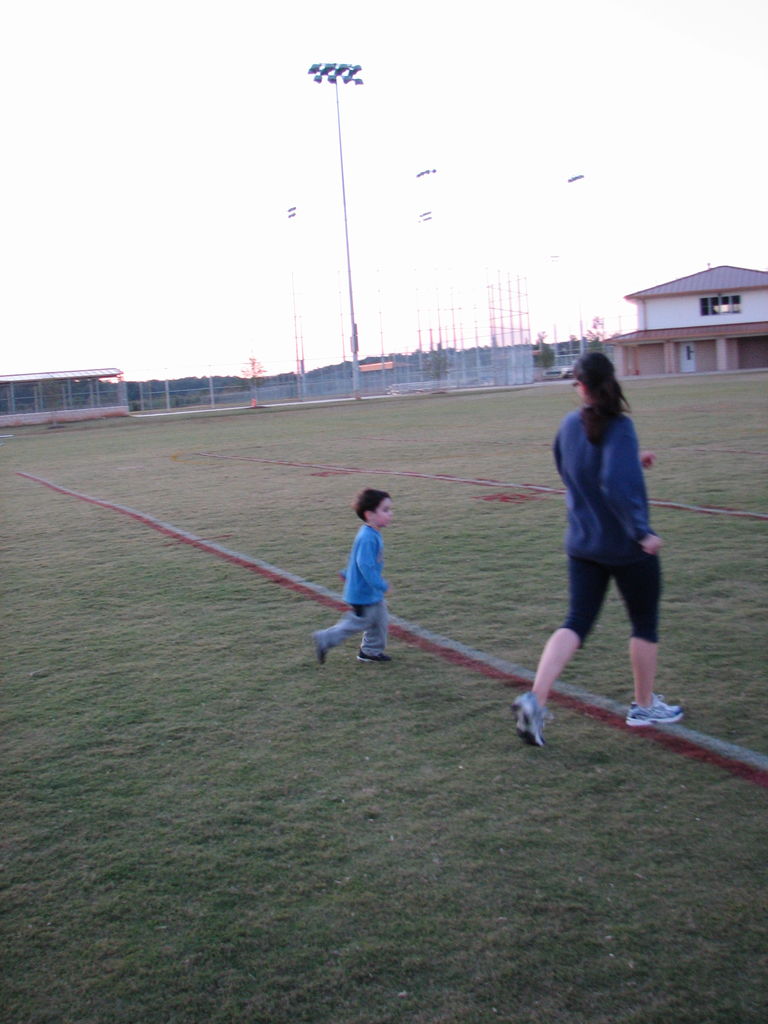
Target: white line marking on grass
(480, 482)
(581, 696)
(741, 761)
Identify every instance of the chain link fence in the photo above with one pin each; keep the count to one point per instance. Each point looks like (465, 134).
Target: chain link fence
(439, 370)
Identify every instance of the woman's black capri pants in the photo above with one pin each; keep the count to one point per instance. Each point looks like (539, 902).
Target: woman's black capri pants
(639, 584)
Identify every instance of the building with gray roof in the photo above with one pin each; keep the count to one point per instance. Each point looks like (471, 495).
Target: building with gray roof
(713, 320)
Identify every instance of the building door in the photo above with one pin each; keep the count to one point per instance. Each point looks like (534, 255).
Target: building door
(688, 357)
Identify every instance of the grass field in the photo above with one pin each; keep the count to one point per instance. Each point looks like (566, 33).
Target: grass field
(201, 824)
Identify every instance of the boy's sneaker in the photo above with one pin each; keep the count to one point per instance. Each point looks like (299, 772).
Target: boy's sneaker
(320, 650)
(530, 719)
(658, 713)
(362, 656)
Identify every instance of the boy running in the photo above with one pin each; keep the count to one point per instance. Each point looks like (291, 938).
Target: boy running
(364, 584)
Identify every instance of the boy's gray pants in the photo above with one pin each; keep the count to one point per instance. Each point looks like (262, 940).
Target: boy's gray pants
(372, 623)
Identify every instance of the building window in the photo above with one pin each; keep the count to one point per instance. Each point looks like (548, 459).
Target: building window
(716, 305)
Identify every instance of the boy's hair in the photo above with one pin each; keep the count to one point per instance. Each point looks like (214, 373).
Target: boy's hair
(368, 501)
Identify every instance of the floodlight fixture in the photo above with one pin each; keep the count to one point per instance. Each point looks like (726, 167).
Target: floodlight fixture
(332, 72)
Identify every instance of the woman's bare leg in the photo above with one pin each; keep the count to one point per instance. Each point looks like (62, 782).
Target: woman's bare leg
(643, 656)
(558, 651)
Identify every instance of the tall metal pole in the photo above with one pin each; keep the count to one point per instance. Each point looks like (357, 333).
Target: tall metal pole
(418, 328)
(353, 338)
(424, 218)
(341, 320)
(348, 73)
(381, 338)
(582, 339)
(299, 360)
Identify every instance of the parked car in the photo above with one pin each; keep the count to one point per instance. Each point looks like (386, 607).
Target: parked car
(557, 373)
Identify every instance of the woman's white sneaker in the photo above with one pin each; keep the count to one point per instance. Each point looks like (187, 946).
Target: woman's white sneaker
(530, 719)
(658, 713)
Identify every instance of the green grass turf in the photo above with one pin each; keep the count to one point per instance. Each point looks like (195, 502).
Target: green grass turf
(202, 824)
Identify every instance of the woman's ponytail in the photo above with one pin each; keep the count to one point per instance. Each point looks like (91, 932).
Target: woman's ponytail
(606, 399)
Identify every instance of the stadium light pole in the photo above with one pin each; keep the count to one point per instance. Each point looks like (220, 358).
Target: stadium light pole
(582, 340)
(299, 359)
(347, 73)
(424, 218)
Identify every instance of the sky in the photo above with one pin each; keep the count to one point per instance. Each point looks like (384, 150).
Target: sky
(152, 149)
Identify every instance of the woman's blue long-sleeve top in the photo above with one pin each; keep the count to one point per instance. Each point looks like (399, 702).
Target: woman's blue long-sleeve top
(364, 581)
(606, 496)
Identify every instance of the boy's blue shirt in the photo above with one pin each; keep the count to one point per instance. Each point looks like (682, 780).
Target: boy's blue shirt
(607, 502)
(364, 582)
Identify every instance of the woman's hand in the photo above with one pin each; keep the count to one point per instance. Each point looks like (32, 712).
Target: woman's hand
(651, 544)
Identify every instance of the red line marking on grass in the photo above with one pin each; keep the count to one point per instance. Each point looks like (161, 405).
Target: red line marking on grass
(676, 743)
(506, 497)
(441, 647)
(447, 478)
(719, 451)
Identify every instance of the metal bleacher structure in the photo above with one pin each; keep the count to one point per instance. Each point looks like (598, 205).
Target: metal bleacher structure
(62, 396)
